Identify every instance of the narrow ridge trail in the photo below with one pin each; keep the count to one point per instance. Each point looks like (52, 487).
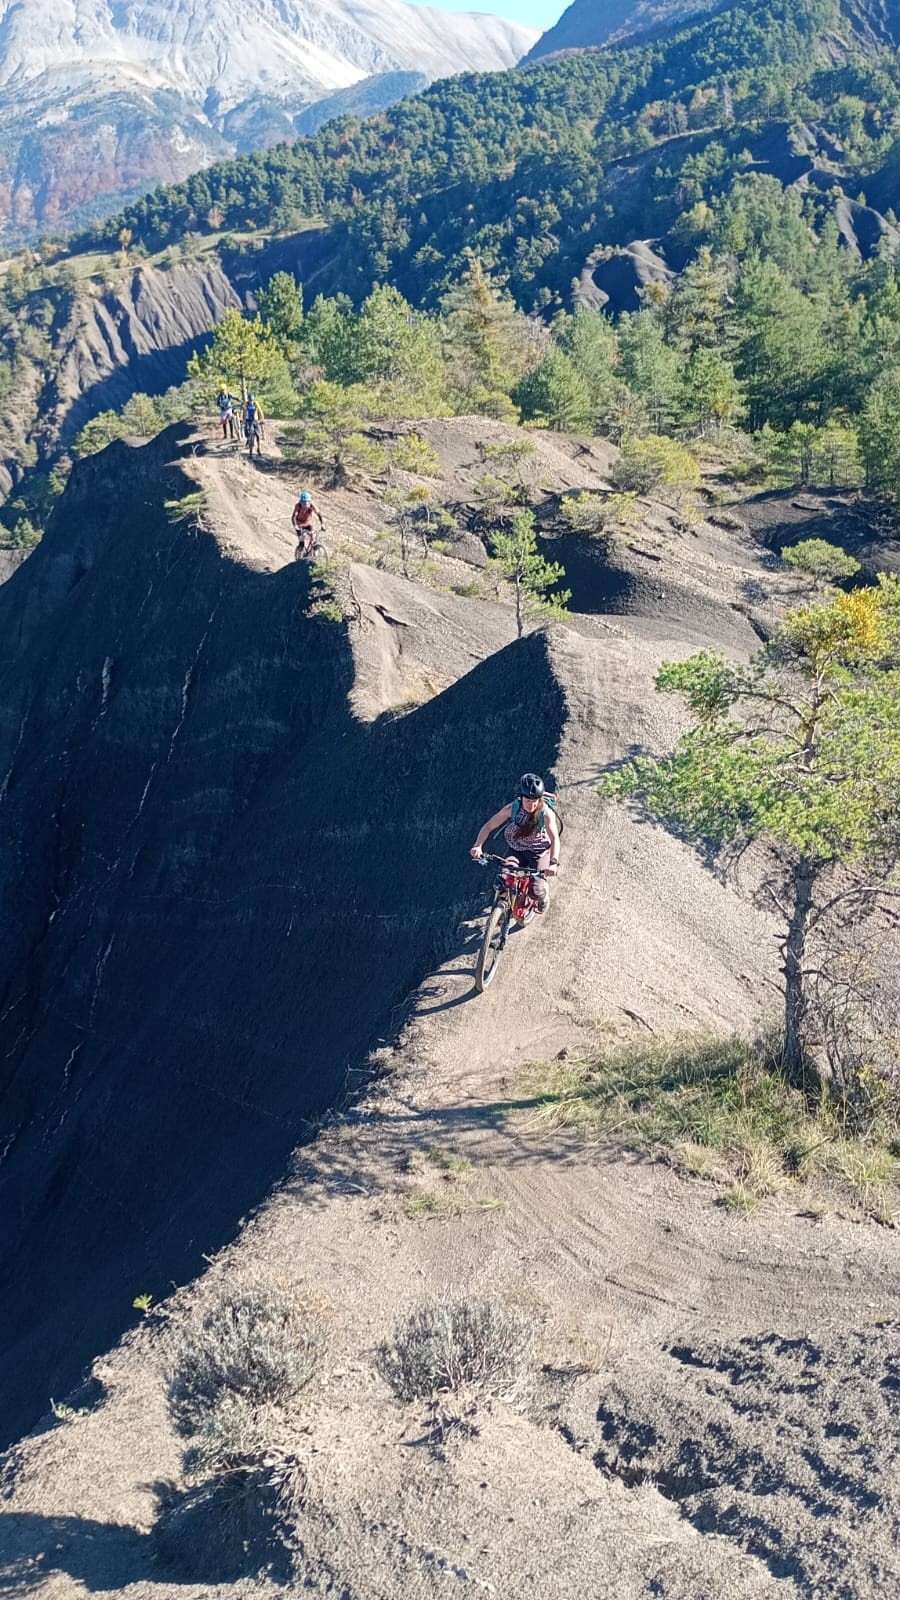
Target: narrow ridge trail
(622, 1263)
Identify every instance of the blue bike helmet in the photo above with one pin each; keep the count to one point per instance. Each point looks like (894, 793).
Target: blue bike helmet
(531, 787)
(306, 498)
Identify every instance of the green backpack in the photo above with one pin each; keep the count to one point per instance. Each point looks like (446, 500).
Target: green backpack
(549, 800)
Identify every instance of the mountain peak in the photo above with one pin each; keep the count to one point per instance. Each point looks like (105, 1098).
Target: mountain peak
(99, 99)
(589, 23)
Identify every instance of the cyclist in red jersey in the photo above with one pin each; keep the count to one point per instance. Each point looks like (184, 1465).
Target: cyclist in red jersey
(302, 523)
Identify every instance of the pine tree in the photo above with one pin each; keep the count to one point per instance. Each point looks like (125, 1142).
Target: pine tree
(711, 391)
(396, 350)
(700, 303)
(280, 305)
(332, 435)
(801, 751)
(879, 433)
(486, 343)
(517, 558)
(589, 340)
(244, 355)
(555, 394)
(652, 369)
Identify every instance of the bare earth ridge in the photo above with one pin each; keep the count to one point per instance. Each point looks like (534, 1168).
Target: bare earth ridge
(718, 1415)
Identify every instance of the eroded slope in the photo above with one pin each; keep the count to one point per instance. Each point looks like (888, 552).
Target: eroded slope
(659, 1312)
(220, 885)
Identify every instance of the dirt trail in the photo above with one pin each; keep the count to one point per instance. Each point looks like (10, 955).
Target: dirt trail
(620, 1259)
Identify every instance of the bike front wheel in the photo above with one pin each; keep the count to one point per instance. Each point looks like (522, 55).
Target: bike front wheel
(492, 945)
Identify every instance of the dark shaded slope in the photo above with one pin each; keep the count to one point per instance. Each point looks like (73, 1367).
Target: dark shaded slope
(214, 889)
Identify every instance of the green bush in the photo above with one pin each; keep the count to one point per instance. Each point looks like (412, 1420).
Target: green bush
(656, 462)
(598, 515)
(825, 563)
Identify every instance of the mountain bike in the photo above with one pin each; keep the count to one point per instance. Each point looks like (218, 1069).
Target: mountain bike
(315, 550)
(513, 902)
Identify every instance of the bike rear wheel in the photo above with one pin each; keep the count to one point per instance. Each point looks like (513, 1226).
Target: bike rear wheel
(492, 945)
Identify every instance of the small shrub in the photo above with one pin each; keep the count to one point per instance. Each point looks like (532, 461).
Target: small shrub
(66, 1413)
(242, 1506)
(599, 515)
(327, 610)
(823, 562)
(186, 510)
(229, 1438)
(687, 517)
(260, 1342)
(654, 462)
(413, 453)
(446, 1346)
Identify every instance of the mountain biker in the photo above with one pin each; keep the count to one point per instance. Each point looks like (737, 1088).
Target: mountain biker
(531, 835)
(253, 435)
(252, 412)
(302, 523)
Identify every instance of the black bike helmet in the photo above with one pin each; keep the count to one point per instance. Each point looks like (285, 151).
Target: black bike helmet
(531, 787)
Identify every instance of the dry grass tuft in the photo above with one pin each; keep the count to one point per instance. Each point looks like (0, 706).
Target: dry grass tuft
(260, 1342)
(445, 1347)
(717, 1108)
(236, 1370)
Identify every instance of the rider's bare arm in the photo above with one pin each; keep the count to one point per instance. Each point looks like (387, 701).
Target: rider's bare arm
(496, 821)
(552, 827)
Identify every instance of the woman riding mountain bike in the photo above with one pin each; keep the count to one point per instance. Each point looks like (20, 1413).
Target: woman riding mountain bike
(531, 835)
(302, 524)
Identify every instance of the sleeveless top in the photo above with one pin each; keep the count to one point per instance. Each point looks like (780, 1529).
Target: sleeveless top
(532, 843)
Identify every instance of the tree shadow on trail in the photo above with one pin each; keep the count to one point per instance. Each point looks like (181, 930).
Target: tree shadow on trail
(192, 1543)
(104, 1556)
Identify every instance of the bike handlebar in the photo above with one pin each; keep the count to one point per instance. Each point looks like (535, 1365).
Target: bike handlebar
(521, 872)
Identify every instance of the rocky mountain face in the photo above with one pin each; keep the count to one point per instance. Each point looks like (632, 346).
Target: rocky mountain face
(108, 341)
(99, 100)
(589, 23)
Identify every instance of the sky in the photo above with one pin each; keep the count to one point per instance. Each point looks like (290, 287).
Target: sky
(540, 13)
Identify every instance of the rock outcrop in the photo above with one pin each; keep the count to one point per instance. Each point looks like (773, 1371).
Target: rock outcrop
(110, 342)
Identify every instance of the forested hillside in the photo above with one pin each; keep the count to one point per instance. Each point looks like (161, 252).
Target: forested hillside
(526, 168)
(718, 206)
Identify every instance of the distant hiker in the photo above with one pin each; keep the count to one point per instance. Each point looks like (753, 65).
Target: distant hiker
(531, 834)
(302, 523)
(228, 406)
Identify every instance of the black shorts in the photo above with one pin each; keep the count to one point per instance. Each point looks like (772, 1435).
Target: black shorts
(531, 860)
